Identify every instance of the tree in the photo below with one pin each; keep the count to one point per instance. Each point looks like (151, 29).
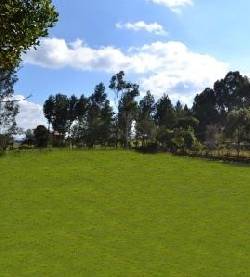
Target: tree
(238, 127)
(214, 136)
(60, 114)
(165, 114)
(56, 110)
(205, 110)
(81, 108)
(8, 107)
(127, 111)
(22, 23)
(48, 110)
(29, 137)
(145, 125)
(41, 135)
(186, 122)
(183, 139)
(99, 117)
(232, 92)
(164, 137)
(78, 131)
(118, 85)
(212, 106)
(107, 124)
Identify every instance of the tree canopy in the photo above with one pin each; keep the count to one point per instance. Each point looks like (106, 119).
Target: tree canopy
(22, 23)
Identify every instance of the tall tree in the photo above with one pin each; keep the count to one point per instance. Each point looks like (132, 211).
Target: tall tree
(22, 23)
(79, 129)
(99, 116)
(205, 110)
(118, 85)
(56, 110)
(127, 111)
(49, 110)
(145, 125)
(81, 108)
(165, 113)
(8, 107)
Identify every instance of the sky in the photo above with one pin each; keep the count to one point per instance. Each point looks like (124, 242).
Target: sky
(178, 47)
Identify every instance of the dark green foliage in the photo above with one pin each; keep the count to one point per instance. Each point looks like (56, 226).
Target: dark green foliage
(145, 125)
(99, 117)
(165, 113)
(232, 92)
(212, 106)
(41, 136)
(80, 121)
(5, 141)
(48, 110)
(22, 23)
(205, 110)
(164, 137)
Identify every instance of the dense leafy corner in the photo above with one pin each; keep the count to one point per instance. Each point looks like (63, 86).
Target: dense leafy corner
(22, 23)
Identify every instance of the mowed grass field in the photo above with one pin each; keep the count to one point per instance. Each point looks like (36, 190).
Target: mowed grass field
(118, 213)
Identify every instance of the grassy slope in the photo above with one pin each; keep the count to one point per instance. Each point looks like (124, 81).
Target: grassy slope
(115, 213)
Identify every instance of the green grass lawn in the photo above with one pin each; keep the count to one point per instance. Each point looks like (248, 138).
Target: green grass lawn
(117, 213)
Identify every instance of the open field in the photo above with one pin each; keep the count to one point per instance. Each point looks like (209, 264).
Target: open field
(117, 213)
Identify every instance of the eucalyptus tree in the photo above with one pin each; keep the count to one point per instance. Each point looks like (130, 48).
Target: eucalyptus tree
(118, 85)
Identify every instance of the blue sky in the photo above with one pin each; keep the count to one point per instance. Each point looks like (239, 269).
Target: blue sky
(198, 42)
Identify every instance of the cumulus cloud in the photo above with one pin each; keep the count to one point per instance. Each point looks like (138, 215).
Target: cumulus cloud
(57, 53)
(174, 5)
(154, 28)
(161, 66)
(30, 114)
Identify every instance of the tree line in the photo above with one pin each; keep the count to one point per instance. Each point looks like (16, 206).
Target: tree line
(219, 117)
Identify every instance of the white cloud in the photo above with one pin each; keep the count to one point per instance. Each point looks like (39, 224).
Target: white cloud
(161, 66)
(174, 5)
(154, 28)
(56, 53)
(30, 114)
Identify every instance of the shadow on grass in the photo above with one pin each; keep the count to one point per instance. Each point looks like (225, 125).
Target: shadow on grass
(227, 160)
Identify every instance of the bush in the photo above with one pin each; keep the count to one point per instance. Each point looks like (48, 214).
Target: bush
(41, 136)
(25, 147)
(149, 148)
